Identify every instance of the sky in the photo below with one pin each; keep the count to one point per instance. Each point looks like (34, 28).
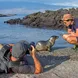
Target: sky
(31, 6)
(60, 2)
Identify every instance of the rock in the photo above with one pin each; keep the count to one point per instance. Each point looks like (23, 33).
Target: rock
(6, 15)
(13, 21)
(56, 64)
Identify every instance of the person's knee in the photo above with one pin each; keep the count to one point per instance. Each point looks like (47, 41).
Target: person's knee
(65, 36)
(71, 41)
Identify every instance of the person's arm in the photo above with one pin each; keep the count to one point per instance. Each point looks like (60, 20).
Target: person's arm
(75, 34)
(38, 67)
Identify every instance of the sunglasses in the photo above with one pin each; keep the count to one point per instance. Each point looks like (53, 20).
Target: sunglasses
(68, 20)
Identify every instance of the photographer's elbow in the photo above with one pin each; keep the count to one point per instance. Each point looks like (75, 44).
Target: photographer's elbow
(38, 71)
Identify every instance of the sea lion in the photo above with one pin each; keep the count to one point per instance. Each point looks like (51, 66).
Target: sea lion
(46, 45)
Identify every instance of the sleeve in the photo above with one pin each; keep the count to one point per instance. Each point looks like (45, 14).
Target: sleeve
(25, 69)
(76, 26)
(76, 23)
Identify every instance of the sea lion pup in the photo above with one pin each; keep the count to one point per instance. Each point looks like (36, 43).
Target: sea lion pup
(46, 45)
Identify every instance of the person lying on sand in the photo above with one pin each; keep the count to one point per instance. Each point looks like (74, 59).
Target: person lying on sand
(72, 35)
(13, 58)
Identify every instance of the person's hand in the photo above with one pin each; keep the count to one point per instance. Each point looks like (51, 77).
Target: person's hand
(32, 52)
(72, 34)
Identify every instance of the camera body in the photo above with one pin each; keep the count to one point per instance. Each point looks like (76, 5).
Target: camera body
(30, 48)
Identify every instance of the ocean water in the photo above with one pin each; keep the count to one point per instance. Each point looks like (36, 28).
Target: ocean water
(14, 33)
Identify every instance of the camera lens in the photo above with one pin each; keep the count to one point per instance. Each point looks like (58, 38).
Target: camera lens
(33, 44)
(30, 48)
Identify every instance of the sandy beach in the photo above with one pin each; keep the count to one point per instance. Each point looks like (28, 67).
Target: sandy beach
(60, 63)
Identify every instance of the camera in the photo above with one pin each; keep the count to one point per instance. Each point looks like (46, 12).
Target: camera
(30, 48)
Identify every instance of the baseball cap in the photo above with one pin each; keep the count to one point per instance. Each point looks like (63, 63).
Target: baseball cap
(19, 49)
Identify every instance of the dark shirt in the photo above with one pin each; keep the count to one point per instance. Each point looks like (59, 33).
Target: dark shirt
(25, 69)
(75, 26)
(22, 66)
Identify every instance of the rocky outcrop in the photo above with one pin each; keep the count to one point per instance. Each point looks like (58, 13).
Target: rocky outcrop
(49, 19)
(13, 21)
(7, 15)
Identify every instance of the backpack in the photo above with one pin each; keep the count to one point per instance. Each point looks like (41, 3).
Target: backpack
(4, 58)
(5, 62)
